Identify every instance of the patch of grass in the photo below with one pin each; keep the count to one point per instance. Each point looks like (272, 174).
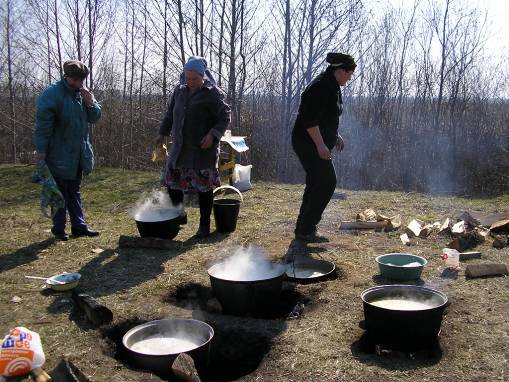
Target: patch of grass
(321, 345)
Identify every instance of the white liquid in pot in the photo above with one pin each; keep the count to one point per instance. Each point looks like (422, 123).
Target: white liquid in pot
(303, 273)
(163, 345)
(401, 304)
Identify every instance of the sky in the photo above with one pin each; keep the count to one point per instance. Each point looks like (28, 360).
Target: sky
(498, 18)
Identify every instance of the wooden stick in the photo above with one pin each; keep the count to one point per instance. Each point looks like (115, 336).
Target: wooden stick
(362, 225)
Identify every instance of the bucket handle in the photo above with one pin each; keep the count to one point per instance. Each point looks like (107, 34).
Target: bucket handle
(232, 188)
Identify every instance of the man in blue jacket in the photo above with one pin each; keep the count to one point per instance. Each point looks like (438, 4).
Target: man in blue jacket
(61, 138)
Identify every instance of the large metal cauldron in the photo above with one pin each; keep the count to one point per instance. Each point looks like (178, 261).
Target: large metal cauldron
(197, 332)
(412, 326)
(166, 227)
(255, 297)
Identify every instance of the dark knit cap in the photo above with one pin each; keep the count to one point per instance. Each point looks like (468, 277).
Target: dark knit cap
(75, 69)
(341, 60)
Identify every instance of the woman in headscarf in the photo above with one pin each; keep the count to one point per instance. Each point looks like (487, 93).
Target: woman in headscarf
(314, 135)
(196, 119)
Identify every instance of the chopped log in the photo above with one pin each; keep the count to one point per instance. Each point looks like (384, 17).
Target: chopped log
(500, 226)
(405, 239)
(362, 225)
(414, 228)
(40, 375)
(465, 241)
(483, 270)
(445, 228)
(470, 255)
(487, 219)
(426, 230)
(393, 222)
(481, 231)
(183, 369)
(366, 215)
(96, 313)
(500, 241)
(458, 228)
(469, 219)
(147, 242)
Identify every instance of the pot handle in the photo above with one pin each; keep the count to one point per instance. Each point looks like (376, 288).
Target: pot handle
(232, 188)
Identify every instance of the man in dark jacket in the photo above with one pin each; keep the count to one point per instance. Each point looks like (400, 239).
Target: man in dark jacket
(314, 135)
(61, 138)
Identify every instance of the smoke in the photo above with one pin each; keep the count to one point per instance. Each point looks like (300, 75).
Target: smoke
(246, 264)
(154, 206)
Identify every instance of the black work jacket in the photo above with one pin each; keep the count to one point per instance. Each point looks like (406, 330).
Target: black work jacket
(320, 105)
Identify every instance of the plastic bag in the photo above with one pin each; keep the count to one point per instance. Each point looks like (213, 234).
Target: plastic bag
(21, 352)
(160, 153)
(242, 177)
(451, 257)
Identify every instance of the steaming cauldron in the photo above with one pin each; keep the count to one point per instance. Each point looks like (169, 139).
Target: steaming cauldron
(165, 226)
(254, 297)
(403, 317)
(158, 356)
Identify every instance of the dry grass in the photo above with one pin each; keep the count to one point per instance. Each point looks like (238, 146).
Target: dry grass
(321, 346)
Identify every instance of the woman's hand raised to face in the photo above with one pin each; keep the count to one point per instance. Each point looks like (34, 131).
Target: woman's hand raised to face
(207, 141)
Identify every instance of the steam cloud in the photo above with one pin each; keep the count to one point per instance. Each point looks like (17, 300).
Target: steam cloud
(154, 206)
(246, 264)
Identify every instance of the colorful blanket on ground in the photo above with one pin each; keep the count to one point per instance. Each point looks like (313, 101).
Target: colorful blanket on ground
(51, 197)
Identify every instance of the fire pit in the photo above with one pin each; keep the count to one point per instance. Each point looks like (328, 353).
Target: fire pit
(403, 317)
(249, 296)
(155, 345)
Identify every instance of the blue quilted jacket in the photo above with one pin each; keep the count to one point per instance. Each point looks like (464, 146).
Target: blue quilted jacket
(61, 130)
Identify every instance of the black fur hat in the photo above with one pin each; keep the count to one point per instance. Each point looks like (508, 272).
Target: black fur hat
(341, 60)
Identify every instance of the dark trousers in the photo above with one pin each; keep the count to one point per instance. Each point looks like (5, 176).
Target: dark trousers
(70, 189)
(205, 200)
(320, 186)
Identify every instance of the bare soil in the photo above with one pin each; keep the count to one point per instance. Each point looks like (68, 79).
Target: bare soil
(322, 345)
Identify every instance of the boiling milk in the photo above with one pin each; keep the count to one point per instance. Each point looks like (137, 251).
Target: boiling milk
(401, 304)
(163, 345)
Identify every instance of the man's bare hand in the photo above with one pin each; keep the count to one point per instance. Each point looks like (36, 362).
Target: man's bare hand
(87, 96)
(340, 143)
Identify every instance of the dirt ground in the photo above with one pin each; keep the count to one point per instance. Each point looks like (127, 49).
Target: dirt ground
(322, 345)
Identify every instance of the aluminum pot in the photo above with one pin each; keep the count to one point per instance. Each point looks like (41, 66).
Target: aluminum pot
(197, 332)
(398, 327)
(254, 297)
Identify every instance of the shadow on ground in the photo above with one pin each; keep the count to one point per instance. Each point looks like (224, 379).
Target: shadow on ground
(24, 255)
